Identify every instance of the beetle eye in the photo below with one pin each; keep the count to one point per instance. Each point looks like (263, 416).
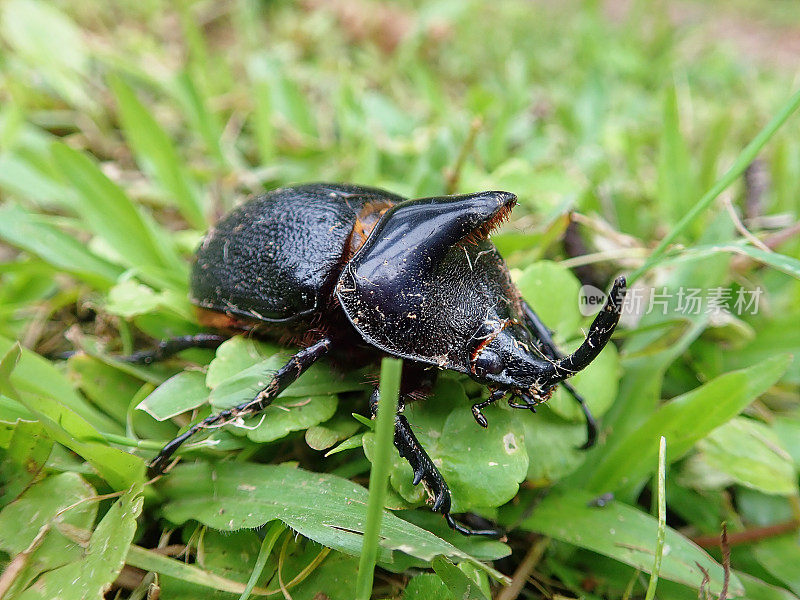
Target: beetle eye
(487, 362)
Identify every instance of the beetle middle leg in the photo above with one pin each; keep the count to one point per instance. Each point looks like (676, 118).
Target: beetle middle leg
(285, 376)
(550, 350)
(170, 347)
(425, 471)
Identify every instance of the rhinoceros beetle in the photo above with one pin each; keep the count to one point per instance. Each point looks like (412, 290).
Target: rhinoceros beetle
(356, 273)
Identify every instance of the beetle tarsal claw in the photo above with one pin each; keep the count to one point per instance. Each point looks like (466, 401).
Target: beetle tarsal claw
(481, 420)
(417, 477)
(440, 499)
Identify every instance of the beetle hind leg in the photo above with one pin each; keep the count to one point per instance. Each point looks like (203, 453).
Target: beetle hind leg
(425, 471)
(286, 375)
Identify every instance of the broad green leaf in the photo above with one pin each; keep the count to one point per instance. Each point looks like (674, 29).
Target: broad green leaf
(93, 574)
(334, 579)
(759, 509)
(322, 437)
(553, 447)
(35, 376)
(457, 581)
(120, 469)
(238, 374)
(108, 388)
(552, 291)
(156, 153)
(427, 586)
(482, 467)
(683, 421)
(623, 533)
(756, 589)
(788, 431)
(39, 506)
(8, 362)
(290, 414)
(234, 356)
(12, 411)
(183, 392)
(129, 298)
(325, 508)
(24, 459)
(781, 557)
(751, 454)
(34, 234)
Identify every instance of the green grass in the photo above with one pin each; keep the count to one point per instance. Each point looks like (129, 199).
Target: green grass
(127, 129)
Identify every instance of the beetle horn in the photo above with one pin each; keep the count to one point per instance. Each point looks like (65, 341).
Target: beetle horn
(418, 233)
(599, 335)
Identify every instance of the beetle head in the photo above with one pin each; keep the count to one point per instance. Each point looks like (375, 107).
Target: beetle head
(503, 355)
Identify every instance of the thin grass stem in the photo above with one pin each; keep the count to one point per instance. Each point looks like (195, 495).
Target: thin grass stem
(744, 159)
(662, 519)
(384, 435)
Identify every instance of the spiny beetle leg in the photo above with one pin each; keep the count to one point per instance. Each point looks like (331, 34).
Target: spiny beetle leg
(477, 408)
(425, 471)
(550, 350)
(591, 425)
(495, 533)
(286, 375)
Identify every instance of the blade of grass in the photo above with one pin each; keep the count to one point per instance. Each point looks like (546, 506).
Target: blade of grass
(109, 213)
(676, 185)
(662, 518)
(263, 554)
(384, 434)
(736, 169)
(36, 235)
(156, 153)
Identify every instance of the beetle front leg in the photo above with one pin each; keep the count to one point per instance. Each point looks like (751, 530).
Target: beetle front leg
(477, 407)
(285, 376)
(425, 471)
(550, 350)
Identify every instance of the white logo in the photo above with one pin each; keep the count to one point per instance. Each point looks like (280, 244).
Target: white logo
(590, 300)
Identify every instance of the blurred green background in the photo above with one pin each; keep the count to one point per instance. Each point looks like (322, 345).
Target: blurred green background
(126, 129)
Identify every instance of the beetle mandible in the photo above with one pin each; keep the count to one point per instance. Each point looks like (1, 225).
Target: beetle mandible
(345, 270)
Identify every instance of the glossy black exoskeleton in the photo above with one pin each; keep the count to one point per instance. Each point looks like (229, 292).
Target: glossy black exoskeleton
(346, 271)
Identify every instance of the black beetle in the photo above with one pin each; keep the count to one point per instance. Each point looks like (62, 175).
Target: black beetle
(348, 270)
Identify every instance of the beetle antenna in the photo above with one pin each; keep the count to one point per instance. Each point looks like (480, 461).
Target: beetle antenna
(599, 335)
